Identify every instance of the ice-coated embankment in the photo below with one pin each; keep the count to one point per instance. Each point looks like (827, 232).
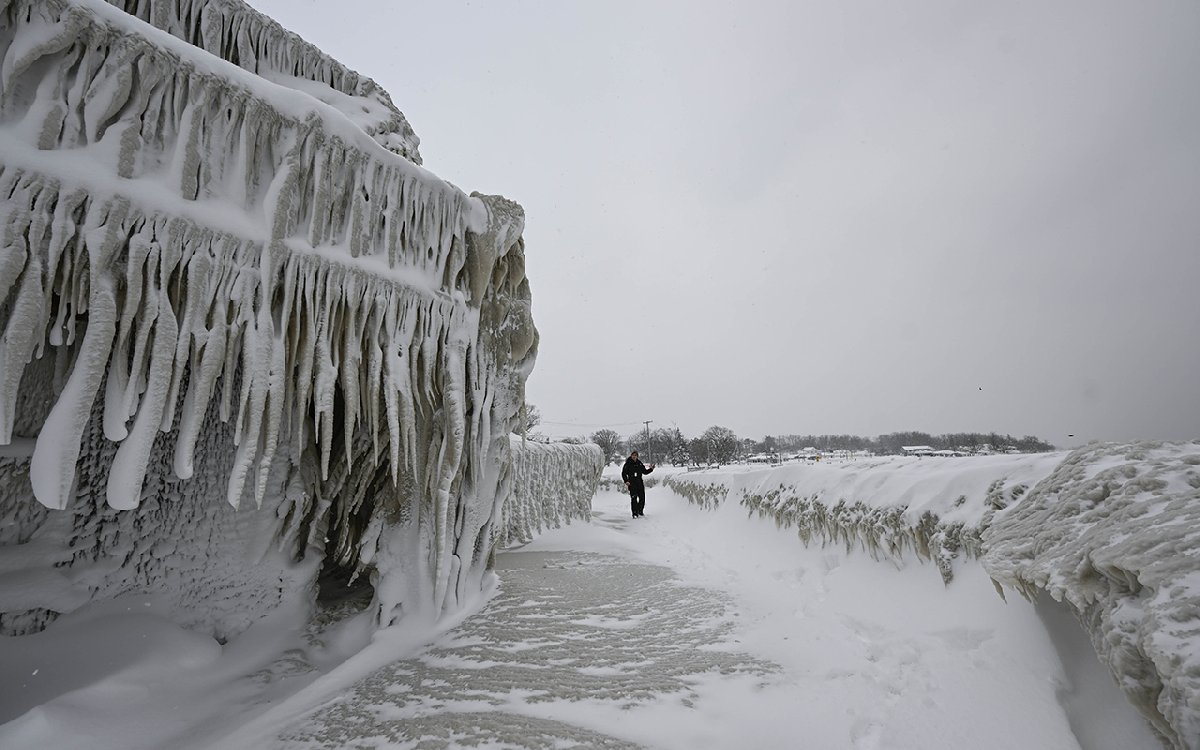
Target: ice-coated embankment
(933, 508)
(1115, 532)
(1112, 530)
(552, 484)
(219, 291)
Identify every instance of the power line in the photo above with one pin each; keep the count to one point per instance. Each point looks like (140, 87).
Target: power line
(587, 424)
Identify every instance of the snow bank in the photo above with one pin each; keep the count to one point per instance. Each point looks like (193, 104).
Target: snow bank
(551, 485)
(934, 508)
(214, 284)
(1113, 530)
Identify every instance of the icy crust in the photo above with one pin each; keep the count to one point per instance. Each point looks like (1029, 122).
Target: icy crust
(195, 248)
(235, 32)
(212, 569)
(552, 484)
(1114, 531)
(934, 509)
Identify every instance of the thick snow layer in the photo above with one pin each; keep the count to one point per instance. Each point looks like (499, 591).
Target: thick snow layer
(201, 243)
(1107, 529)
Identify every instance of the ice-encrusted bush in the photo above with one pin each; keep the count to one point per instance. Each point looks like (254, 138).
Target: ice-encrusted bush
(552, 484)
(881, 531)
(616, 484)
(706, 495)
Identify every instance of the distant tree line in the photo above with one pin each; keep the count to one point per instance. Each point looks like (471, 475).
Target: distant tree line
(720, 445)
(892, 443)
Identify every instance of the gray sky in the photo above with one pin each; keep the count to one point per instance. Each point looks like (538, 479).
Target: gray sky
(839, 217)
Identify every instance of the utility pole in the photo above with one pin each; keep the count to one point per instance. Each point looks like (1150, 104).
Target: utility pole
(649, 452)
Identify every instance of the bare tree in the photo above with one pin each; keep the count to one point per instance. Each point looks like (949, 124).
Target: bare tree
(525, 423)
(610, 444)
(722, 442)
(670, 445)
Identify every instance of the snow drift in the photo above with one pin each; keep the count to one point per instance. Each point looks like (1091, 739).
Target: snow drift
(224, 277)
(1111, 530)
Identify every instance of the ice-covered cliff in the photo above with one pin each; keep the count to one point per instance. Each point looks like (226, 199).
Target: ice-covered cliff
(226, 283)
(1108, 530)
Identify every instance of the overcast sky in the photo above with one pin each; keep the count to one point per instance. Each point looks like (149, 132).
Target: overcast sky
(832, 217)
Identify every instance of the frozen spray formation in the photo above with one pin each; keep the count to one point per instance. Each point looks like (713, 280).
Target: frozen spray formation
(552, 485)
(224, 277)
(1110, 530)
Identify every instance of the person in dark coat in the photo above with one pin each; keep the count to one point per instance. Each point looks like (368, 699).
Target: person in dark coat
(632, 474)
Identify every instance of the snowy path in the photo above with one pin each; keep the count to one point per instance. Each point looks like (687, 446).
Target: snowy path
(694, 629)
(570, 635)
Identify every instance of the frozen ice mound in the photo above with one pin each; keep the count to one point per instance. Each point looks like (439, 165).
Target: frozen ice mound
(245, 333)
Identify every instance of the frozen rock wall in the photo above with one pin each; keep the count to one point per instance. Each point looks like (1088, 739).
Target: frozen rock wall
(552, 484)
(235, 326)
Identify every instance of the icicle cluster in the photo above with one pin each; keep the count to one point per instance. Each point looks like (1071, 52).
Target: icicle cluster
(168, 286)
(237, 33)
(1114, 532)
(192, 244)
(552, 484)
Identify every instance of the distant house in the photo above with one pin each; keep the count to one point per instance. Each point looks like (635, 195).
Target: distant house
(917, 450)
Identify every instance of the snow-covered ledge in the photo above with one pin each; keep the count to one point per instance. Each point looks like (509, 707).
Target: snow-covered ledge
(1110, 530)
(240, 336)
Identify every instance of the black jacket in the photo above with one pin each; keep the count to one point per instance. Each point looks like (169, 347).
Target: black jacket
(632, 472)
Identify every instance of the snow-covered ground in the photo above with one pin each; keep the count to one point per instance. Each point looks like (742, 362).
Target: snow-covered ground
(866, 654)
(873, 655)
